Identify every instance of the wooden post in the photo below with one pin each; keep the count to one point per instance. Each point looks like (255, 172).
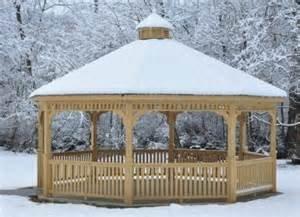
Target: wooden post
(273, 149)
(243, 136)
(231, 159)
(47, 154)
(128, 123)
(171, 118)
(94, 118)
(40, 149)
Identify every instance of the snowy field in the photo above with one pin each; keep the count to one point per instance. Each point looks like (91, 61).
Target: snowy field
(19, 170)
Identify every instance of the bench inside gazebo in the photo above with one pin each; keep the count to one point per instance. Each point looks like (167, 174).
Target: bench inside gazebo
(157, 74)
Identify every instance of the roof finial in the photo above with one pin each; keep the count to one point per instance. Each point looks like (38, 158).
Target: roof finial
(154, 11)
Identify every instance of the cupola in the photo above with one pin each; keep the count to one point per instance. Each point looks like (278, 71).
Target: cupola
(154, 27)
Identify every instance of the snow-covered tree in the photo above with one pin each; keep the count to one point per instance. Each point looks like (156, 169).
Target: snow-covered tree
(41, 40)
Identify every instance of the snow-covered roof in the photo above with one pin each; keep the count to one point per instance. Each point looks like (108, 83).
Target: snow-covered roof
(154, 20)
(158, 67)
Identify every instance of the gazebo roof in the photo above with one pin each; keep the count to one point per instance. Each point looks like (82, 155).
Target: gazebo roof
(158, 67)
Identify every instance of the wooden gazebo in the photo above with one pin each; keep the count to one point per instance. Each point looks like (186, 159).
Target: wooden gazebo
(156, 74)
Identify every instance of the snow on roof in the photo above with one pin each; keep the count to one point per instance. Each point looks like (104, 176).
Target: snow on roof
(154, 20)
(158, 67)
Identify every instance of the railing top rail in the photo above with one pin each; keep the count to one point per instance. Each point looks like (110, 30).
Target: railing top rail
(255, 154)
(180, 164)
(138, 164)
(86, 163)
(253, 161)
(204, 150)
(71, 152)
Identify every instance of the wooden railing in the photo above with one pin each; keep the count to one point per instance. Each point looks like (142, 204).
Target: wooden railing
(194, 155)
(139, 156)
(150, 156)
(180, 181)
(87, 179)
(159, 181)
(111, 155)
(254, 175)
(150, 181)
(75, 156)
(145, 156)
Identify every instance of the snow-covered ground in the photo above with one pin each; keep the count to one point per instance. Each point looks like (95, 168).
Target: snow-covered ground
(18, 170)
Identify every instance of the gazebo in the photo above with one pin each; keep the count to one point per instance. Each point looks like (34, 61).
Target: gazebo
(156, 74)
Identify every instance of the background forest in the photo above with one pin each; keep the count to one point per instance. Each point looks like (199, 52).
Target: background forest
(41, 40)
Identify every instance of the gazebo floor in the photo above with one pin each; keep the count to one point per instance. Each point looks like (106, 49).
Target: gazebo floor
(109, 203)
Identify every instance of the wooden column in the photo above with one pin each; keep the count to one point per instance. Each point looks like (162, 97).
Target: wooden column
(171, 118)
(40, 149)
(231, 159)
(243, 136)
(94, 118)
(128, 123)
(273, 149)
(47, 154)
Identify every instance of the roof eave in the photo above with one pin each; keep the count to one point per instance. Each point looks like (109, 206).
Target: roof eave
(84, 97)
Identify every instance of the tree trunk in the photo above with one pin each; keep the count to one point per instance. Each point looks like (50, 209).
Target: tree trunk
(96, 6)
(27, 62)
